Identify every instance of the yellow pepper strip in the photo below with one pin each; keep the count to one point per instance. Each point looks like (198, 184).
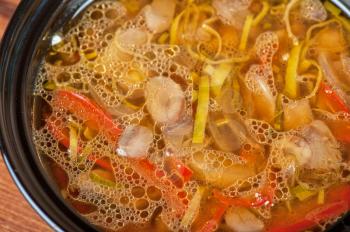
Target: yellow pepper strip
(102, 177)
(163, 38)
(221, 121)
(334, 10)
(236, 92)
(301, 193)
(130, 105)
(218, 78)
(202, 111)
(175, 27)
(73, 142)
(245, 33)
(194, 95)
(193, 208)
(194, 77)
(345, 22)
(90, 54)
(287, 21)
(49, 85)
(279, 113)
(207, 60)
(291, 85)
(262, 14)
(320, 197)
(318, 79)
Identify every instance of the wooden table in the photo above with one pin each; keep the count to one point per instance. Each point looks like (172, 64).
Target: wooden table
(16, 215)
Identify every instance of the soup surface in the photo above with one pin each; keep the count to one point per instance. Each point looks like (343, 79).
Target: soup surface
(199, 115)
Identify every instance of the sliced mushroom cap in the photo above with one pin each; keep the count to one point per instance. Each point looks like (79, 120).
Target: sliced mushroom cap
(229, 135)
(135, 141)
(159, 15)
(263, 98)
(296, 114)
(132, 37)
(232, 12)
(165, 100)
(242, 220)
(316, 149)
(219, 176)
(313, 10)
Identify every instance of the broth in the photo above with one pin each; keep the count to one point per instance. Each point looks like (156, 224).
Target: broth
(199, 115)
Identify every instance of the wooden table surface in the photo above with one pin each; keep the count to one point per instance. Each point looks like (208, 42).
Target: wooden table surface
(16, 215)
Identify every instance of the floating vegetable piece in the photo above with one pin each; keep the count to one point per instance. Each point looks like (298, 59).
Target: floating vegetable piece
(228, 135)
(103, 177)
(232, 12)
(328, 99)
(296, 114)
(262, 14)
(330, 39)
(245, 33)
(313, 10)
(165, 100)
(291, 85)
(135, 141)
(212, 224)
(73, 142)
(263, 99)
(242, 220)
(264, 197)
(310, 215)
(340, 129)
(218, 75)
(193, 208)
(324, 147)
(302, 193)
(202, 111)
(159, 15)
(219, 176)
(83, 108)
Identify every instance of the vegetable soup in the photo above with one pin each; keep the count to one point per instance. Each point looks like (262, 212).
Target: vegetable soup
(199, 115)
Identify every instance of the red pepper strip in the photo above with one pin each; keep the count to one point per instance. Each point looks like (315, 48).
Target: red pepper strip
(184, 171)
(148, 171)
(103, 163)
(142, 166)
(58, 133)
(338, 203)
(265, 197)
(212, 224)
(325, 212)
(328, 98)
(85, 109)
(175, 164)
(340, 129)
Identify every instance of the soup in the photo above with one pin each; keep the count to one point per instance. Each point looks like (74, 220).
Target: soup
(199, 115)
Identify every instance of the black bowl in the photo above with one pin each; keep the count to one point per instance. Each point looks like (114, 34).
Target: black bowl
(23, 45)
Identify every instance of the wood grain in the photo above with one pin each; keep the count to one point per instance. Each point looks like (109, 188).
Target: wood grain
(16, 215)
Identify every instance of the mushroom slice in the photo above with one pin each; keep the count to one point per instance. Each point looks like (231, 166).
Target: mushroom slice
(135, 141)
(165, 100)
(263, 98)
(296, 114)
(159, 15)
(242, 220)
(313, 10)
(232, 12)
